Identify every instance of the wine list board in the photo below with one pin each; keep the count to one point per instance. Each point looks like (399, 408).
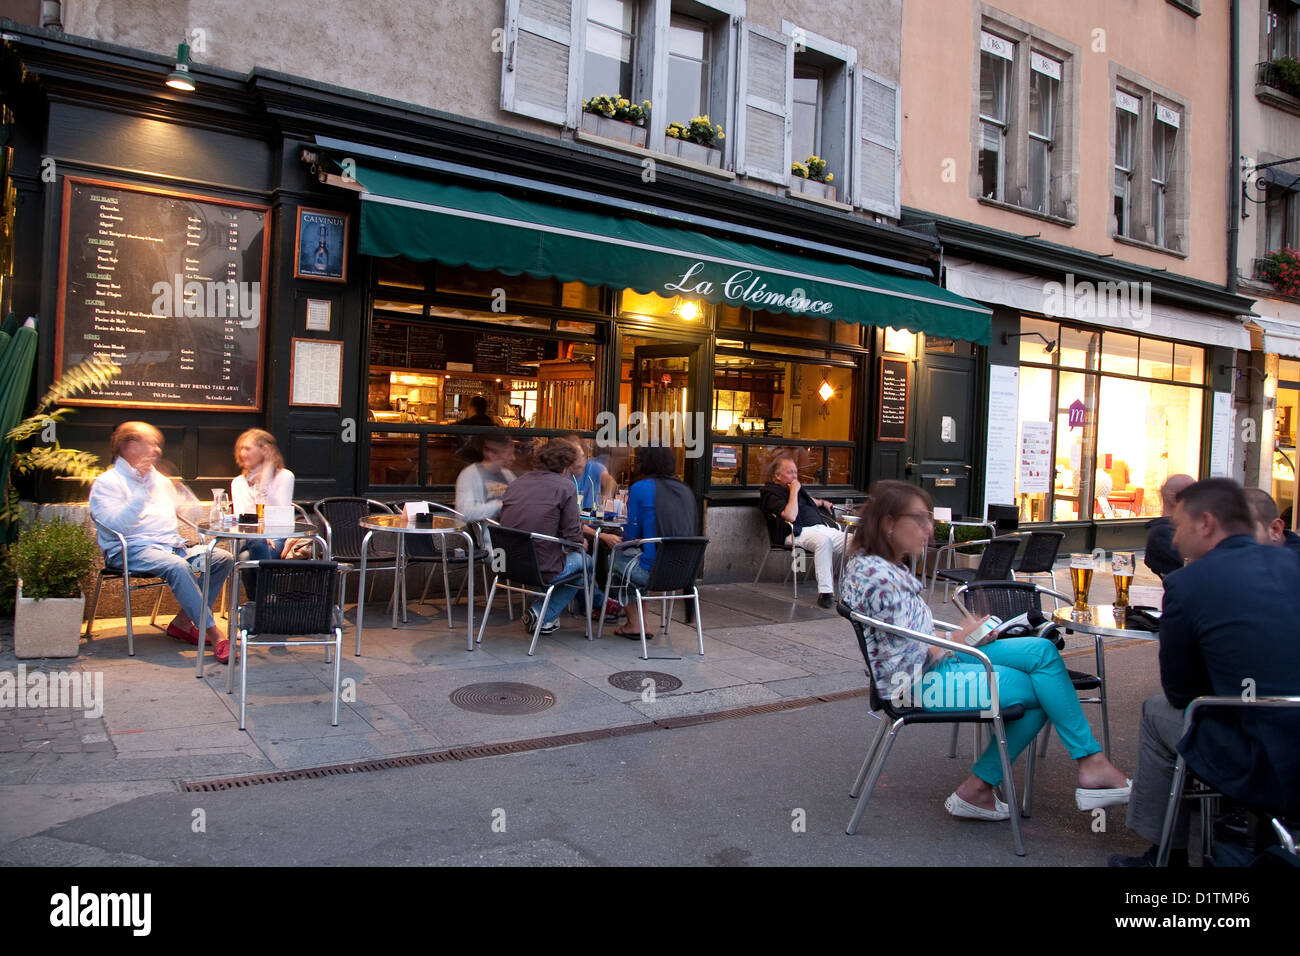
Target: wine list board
(171, 287)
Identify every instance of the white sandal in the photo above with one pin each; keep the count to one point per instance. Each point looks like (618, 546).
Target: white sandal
(968, 811)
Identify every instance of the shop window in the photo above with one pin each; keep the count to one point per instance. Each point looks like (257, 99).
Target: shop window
(762, 460)
(678, 308)
(403, 273)
(1024, 142)
(795, 326)
(1115, 434)
(1033, 348)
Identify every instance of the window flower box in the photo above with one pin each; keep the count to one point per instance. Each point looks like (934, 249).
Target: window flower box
(613, 129)
(811, 187)
(812, 178)
(684, 149)
(617, 118)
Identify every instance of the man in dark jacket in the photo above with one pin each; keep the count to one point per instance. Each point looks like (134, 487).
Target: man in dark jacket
(1228, 630)
(814, 531)
(1269, 528)
(1161, 556)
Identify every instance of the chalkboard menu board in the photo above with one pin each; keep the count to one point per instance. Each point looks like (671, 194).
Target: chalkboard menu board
(892, 425)
(496, 354)
(168, 285)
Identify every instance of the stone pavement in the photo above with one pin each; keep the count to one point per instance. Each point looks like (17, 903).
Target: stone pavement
(160, 727)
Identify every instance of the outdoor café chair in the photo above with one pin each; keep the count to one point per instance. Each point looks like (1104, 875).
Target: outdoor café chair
(995, 564)
(298, 603)
(340, 517)
(1182, 789)
(778, 530)
(1039, 556)
(897, 717)
(121, 568)
(432, 549)
(673, 574)
(1009, 599)
(522, 574)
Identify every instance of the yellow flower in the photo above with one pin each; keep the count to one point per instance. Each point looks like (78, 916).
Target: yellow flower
(829, 177)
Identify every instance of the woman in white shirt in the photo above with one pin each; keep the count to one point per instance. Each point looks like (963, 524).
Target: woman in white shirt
(263, 480)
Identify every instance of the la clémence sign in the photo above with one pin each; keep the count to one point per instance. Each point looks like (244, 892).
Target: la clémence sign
(748, 287)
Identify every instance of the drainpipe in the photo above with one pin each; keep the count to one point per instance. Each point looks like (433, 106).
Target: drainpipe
(1234, 109)
(52, 14)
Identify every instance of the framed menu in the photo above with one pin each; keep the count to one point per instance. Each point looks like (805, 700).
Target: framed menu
(168, 285)
(895, 377)
(316, 373)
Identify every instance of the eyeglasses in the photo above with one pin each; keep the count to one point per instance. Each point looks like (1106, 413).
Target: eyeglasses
(924, 517)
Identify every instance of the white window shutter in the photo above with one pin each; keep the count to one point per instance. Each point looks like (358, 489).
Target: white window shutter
(878, 144)
(766, 93)
(537, 75)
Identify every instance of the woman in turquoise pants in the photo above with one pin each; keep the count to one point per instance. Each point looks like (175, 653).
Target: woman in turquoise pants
(1028, 671)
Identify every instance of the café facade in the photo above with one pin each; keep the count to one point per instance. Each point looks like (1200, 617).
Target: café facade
(351, 273)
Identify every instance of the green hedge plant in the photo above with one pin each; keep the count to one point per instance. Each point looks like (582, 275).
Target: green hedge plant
(52, 558)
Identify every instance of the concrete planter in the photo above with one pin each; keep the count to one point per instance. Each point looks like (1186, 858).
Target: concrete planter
(683, 149)
(608, 128)
(810, 187)
(971, 561)
(48, 628)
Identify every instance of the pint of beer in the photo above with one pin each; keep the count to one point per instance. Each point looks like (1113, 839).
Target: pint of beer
(1121, 566)
(1081, 567)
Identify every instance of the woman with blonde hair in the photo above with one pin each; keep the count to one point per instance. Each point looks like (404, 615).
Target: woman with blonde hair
(263, 480)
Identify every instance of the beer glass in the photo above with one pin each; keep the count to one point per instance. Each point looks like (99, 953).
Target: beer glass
(261, 512)
(1121, 565)
(1081, 567)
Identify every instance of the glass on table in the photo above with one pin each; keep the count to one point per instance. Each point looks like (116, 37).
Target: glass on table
(1081, 568)
(1121, 566)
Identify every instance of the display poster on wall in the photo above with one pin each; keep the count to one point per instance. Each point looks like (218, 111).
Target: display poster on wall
(1221, 436)
(1004, 405)
(894, 375)
(169, 286)
(1035, 458)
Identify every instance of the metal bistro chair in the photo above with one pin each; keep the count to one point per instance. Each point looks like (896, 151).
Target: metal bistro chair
(1039, 556)
(339, 517)
(899, 716)
(1009, 599)
(1004, 518)
(432, 549)
(523, 575)
(122, 569)
(1179, 791)
(778, 529)
(675, 569)
(995, 564)
(298, 603)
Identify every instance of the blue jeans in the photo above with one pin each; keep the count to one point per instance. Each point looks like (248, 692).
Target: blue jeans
(1029, 671)
(638, 575)
(564, 593)
(179, 567)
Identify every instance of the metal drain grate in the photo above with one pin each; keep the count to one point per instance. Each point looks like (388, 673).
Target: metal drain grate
(635, 680)
(502, 699)
(513, 746)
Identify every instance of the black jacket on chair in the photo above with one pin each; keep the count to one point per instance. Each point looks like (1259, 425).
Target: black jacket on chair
(1161, 556)
(1231, 625)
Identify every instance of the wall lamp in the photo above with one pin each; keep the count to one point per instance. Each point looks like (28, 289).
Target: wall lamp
(1008, 336)
(179, 78)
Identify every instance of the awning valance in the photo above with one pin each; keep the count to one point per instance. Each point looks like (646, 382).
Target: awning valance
(424, 218)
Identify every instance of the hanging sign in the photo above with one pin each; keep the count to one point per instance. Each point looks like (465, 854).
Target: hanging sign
(1078, 413)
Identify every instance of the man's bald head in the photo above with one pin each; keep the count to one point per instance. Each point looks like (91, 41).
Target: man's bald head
(1169, 491)
(1269, 528)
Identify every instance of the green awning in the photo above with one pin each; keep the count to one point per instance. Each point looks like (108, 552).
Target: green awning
(425, 219)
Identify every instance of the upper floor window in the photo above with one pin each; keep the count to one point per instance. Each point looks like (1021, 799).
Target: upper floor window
(1283, 26)
(690, 63)
(610, 33)
(806, 117)
(1025, 101)
(1149, 189)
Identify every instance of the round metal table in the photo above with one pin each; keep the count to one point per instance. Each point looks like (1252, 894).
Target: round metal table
(399, 525)
(221, 532)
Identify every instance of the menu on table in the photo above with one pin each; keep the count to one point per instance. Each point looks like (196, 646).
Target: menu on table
(171, 287)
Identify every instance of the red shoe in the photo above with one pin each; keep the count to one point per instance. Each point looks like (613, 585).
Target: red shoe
(190, 634)
(223, 652)
(613, 611)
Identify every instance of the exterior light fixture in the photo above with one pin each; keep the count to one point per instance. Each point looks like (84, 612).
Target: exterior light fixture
(179, 78)
(688, 309)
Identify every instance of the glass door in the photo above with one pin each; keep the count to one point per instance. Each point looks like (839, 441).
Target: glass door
(657, 386)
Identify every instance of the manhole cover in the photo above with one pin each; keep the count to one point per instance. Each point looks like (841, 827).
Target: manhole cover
(502, 698)
(635, 680)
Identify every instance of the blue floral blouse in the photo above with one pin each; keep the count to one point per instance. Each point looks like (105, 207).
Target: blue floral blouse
(889, 592)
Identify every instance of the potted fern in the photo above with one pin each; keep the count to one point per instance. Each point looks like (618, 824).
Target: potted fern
(51, 559)
(696, 141)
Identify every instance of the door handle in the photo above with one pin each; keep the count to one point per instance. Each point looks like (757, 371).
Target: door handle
(945, 471)
(910, 465)
(967, 467)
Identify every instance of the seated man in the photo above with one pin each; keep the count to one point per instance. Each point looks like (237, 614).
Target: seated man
(590, 477)
(1269, 528)
(1161, 556)
(784, 497)
(1228, 629)
(136, 500)
(544, 501)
